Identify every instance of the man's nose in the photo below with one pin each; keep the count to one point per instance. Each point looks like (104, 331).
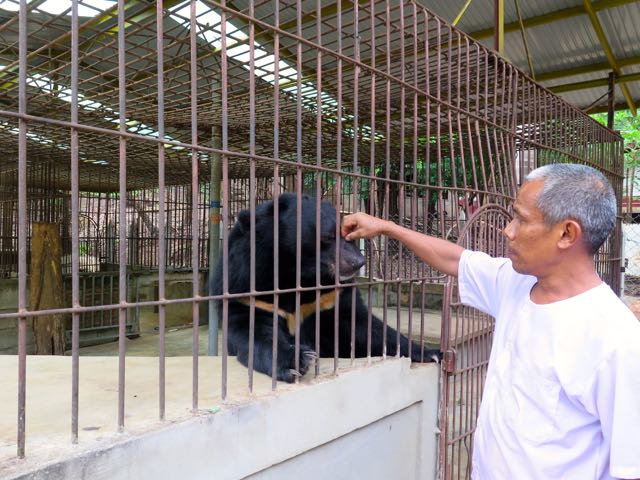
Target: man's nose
(508, 230)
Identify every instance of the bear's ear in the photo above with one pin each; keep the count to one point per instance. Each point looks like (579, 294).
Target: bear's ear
(283, 202)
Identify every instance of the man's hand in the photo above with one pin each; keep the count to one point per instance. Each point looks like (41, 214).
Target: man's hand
(360, 225)
(440, 254)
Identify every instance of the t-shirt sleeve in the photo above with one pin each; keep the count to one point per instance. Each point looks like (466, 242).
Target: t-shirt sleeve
(479, 277)
(614, 396)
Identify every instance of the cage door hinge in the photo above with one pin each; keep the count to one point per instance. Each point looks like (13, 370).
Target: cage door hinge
(449, 361)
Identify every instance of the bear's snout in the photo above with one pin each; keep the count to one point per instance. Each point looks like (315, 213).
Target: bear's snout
(351, 260)
(358, 263)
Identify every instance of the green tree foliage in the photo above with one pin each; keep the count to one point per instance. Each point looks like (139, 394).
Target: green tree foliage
(629, 127)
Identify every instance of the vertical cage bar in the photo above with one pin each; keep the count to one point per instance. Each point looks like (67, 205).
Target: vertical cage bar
(276, 193)
(75, 294)
(387, 174)
(356, 141)
(252, 190)
(22, 228)
(318, 174)
(413, 272)
(122, 201)
(339, 117)
(195, 186)
(401, 179)
(299, 183)
(372, 171)
(162, 194)
(226, 217)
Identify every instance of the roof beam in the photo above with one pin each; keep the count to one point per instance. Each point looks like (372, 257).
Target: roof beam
(605, 107)
(597, 26)
(106, 17)
(601, 82)
(552, 17)
(594, 67)
(524, 41)
(498, 21)
(464, 9)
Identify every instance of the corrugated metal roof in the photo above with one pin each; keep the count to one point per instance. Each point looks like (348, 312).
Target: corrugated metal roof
(569, 42)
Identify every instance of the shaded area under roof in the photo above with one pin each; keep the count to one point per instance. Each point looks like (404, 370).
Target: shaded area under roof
(359, 110)
(564, 47)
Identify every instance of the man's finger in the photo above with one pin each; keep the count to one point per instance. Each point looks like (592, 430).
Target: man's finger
(347, 225)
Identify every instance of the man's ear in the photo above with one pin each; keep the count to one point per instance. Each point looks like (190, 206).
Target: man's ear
(571, 234)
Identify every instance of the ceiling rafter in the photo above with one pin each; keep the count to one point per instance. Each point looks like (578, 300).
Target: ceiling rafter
(600, 82)
(551, 17)
(591, 68)
(604, 42)
(589, 8)
(108, 16)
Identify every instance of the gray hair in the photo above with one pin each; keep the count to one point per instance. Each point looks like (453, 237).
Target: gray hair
(580, 193)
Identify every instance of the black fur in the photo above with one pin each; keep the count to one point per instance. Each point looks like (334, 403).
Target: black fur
(350, 262)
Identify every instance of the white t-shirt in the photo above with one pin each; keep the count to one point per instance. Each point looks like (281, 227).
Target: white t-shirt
(562, 393)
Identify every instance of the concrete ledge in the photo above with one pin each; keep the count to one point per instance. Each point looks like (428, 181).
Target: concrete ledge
(363, 411)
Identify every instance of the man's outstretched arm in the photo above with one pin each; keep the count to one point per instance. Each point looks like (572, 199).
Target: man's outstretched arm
(440, 254)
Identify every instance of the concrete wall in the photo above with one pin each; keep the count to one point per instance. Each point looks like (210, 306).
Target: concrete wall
(178, 285)
(377, 422)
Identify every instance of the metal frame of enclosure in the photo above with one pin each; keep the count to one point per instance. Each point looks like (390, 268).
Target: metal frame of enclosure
(142, 128)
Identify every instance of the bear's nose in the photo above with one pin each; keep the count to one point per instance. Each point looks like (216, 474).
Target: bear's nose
(358, 263)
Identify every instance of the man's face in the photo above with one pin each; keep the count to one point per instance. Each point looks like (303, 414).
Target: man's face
(532, 244)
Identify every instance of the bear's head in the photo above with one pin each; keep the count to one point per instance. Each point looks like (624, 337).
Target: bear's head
(312, 253)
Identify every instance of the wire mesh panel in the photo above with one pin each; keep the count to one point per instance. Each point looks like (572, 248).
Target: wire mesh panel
(152, 131)
(467, 335)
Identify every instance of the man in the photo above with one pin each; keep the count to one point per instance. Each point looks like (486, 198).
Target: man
(562, 394)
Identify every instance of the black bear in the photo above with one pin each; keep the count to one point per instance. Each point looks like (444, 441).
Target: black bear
(350, 261)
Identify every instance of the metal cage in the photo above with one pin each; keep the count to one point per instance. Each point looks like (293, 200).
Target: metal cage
(142, 128)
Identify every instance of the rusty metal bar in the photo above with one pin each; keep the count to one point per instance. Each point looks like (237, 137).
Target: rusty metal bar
(387, 173)
(356, 139)
(339, 118)
(298, 185)
(122, 200)
(318, 185)
(75, 247)
(226, 196)
(372, 157)
(276, 193)
(162, 193)
(195, 186)
(611, 100)
(252, 190)
(414, 175)
(401, 176)
(22, 230)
